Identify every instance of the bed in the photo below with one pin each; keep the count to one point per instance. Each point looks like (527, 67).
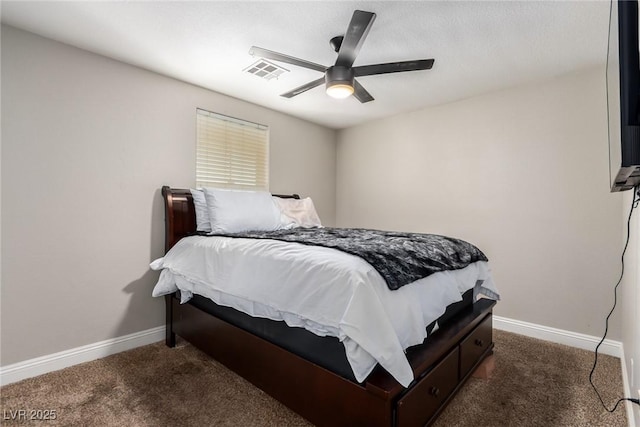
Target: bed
(310, 373)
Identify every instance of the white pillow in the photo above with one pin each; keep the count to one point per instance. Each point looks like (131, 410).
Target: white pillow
(202, 213)
(301, 211)
(232, 211)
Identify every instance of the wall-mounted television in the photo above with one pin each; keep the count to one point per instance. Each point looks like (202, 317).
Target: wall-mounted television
(623, 92)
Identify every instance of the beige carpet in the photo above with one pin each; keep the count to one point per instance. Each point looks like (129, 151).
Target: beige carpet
(535, 384)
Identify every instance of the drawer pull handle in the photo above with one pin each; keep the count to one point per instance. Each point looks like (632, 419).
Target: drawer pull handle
(435, 391)
(479, 342)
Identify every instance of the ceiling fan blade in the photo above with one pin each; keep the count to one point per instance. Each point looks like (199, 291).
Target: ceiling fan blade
(361, 93)
(393, 67)
(285, 58)
(303, 88)
(356, 33)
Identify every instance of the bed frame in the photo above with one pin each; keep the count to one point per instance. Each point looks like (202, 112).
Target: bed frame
(441, 365)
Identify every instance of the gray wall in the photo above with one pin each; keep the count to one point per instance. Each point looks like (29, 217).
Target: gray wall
(87, 142)
(522, 173)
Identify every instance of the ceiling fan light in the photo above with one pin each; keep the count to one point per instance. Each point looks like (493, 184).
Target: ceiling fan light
(340, 90)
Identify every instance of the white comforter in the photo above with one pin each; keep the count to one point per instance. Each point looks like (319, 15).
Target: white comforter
(323, 290)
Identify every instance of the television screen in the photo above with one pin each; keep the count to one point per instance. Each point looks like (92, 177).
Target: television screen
(623, 84)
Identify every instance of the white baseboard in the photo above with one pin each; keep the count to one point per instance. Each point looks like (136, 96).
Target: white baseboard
(53, 362)
(559, 336)
(627, 391)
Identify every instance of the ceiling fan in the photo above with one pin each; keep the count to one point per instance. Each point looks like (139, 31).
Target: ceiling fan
(340, 78)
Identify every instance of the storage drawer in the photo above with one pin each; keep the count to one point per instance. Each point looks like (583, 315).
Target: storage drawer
(417, 406)
(474, 345)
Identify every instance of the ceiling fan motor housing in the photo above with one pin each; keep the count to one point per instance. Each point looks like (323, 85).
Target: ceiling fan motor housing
(338, 75)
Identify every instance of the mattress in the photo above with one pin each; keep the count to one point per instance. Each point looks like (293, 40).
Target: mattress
(322, 290)
(327, 352)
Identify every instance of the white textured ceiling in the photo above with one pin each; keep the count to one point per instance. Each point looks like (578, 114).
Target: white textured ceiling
(478, 46)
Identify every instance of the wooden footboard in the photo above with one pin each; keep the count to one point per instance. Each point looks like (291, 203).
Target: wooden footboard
(440, 366)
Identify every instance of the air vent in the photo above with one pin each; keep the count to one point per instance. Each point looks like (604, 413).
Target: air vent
(265, 69)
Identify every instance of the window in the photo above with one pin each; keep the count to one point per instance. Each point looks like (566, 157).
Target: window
(231, 153)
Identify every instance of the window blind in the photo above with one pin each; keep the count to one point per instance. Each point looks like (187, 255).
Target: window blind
(231, 153)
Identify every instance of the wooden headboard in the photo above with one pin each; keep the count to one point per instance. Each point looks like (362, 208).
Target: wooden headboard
(180, 214)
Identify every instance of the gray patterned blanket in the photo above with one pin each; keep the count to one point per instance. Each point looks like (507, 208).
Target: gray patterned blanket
(400, 258)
